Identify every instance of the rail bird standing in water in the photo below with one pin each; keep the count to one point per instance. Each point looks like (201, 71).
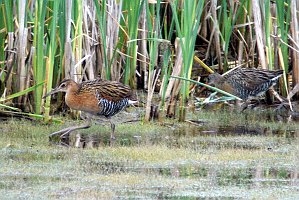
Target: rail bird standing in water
(95, 97)
(245, 83)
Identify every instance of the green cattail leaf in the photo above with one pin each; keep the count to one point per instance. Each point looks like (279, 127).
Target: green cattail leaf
(208, 86)
(22, 92)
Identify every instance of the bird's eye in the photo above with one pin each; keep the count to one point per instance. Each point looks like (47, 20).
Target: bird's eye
(62, 85)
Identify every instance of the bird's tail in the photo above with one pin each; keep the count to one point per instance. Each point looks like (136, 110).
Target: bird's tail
(131, 102)
(276, 75)
(133, 98)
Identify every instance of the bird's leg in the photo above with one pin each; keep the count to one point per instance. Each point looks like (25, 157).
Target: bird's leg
(250, 104)
(64, 133)
(244, 106)
(67, 131)
(112, 137)
(112, 125)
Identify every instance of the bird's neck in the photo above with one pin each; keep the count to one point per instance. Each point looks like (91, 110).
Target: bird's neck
(74, 89)
(219, 82)
(71, 96)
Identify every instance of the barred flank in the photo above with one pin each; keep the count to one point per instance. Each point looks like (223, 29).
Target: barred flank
(110, 108)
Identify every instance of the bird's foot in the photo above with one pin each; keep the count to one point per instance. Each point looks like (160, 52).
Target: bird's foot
(112, 140)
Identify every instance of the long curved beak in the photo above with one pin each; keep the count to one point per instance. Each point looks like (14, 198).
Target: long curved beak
(55, 90)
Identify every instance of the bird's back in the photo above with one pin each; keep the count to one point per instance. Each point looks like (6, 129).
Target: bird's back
(251, 82)
(111, 90)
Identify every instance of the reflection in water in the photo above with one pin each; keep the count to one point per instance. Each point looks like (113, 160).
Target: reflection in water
(198, 135)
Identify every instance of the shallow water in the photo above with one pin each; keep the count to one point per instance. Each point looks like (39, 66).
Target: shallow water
(173, 161)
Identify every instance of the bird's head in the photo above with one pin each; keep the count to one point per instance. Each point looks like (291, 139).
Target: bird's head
(215, 79)
(65, 86)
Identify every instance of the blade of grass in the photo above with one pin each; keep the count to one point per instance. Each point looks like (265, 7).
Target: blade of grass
(133, 8)
(207, 86)
(283, 18)
(8, 6)
(268, 23)
(36, 116)
(50, 61)
(154, 32)
(101, 15)
(38, 59)
(33, 88)
(9, 107)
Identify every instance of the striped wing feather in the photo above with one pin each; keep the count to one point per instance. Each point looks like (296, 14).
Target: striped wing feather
(110, 90)
(251, 79)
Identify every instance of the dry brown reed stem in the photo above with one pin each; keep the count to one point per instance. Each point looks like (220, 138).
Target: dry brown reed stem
(241, 48)
(68, 55)
(173, 86)
(143, 46)
(11, 56)
(22, 43)
(87, 42)
(176, 69)
(241, 35)
(216, 33)
(208, 52)
(259, 32)
(240, 51)
(29, 74)
(204, 25)
(113, 27)
(284, 77)
(250, 42)
(295, 36)
(152, 81)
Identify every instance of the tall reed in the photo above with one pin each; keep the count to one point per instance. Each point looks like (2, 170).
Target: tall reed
(187, 31)
(154, 30)
(295, 44)
(38, 57)
(133, 10)
(45, 41)
(51, 51)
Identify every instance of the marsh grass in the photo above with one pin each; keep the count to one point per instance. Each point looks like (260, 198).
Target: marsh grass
(170, 160)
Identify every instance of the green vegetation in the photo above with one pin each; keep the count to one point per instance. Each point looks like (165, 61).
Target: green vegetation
(170, 160)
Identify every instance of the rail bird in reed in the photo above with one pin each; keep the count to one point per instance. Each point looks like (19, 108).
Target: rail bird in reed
(245, 83)
(95, 97)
